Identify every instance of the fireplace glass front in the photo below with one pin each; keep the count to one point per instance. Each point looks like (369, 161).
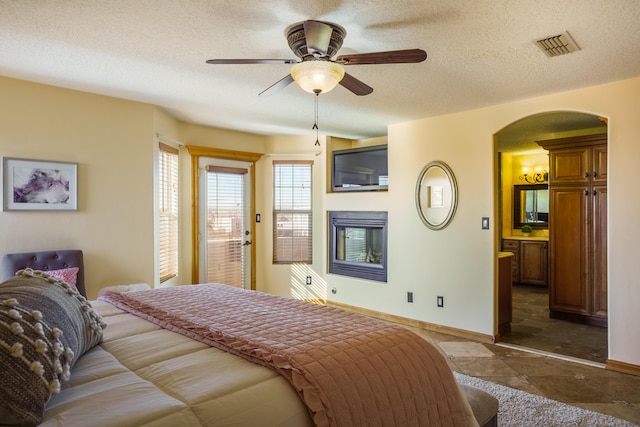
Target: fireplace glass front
(358, 242)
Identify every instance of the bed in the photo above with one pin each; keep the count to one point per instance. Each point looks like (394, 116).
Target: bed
(212, 355)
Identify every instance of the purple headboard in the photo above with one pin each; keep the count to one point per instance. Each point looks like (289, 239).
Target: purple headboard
(46, 260)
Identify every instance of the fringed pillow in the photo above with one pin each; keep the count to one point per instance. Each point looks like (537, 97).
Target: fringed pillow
(45, 326)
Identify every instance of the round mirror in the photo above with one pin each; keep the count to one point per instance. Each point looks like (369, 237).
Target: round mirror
(436, 195)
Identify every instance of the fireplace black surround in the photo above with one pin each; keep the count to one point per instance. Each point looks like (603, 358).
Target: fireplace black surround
(358, 244)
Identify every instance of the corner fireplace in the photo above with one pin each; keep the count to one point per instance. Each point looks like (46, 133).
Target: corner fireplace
(358, 244)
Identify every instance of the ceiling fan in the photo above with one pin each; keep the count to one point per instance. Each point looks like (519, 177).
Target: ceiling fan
(315, 43)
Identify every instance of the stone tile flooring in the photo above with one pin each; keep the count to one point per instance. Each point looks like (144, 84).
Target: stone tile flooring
(585, 385)
(531, 327)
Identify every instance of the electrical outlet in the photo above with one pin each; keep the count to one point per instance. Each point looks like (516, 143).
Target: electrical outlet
(308, 280)
(409, 296)
(440, 301)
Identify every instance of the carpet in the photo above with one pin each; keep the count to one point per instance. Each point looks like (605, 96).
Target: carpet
(521, 409)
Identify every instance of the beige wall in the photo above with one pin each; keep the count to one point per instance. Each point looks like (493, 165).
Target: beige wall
(458, 261)
(290, 280)
(114, 143)
(111, 140)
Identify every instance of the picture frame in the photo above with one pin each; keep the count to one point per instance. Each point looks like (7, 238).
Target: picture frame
(39, 185)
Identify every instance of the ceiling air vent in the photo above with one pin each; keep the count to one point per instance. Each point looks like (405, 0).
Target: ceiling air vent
(558, 45)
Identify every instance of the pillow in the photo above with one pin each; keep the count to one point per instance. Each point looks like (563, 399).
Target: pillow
(45, 326)
(133, 287)
(69, 275)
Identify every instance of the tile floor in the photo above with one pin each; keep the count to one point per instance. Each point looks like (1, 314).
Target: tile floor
(532, 327)
(580, 383)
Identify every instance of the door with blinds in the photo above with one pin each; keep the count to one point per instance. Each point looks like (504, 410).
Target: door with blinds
(224, 231)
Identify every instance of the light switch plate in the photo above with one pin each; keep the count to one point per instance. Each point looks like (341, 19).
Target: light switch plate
(485, 222)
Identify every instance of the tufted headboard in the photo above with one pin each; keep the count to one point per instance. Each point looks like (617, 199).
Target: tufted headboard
(45, 260)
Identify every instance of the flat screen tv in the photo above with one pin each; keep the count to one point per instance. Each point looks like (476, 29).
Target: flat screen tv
(360, 169)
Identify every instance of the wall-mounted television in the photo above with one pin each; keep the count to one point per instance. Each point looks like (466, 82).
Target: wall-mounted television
(360, 169)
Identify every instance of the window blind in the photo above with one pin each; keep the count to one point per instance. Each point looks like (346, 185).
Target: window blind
(292, 211)
(168, 198)
(226, 201)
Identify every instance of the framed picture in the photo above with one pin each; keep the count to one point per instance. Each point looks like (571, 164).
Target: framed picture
(39, 185)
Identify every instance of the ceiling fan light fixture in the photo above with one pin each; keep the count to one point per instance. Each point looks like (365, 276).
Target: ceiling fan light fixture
(317, 76)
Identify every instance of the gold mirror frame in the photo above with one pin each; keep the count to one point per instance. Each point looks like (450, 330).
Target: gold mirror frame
(436, 195)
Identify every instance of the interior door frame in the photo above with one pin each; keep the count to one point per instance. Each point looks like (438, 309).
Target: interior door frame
(218, 153)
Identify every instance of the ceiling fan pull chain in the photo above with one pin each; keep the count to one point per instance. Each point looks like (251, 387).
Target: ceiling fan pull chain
(315, 123)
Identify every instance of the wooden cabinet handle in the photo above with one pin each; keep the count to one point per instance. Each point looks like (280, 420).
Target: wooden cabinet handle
(595, 174)
(595, 192)
(586, 174)
(586, 192)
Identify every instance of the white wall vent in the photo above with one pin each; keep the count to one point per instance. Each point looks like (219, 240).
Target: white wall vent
(558, 45)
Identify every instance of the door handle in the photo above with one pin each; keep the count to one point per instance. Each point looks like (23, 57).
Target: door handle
(247, 243)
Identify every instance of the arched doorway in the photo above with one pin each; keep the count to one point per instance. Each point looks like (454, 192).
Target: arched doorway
(523, 171)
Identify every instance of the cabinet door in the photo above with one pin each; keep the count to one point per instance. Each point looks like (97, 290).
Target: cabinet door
(569, 166)
(513, 246)
(533, 262)
(599, 165)
(568, 249)
(598, 256)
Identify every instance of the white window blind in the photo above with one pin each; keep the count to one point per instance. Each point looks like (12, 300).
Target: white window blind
(292, 211)
(226, 200)
(168, 197)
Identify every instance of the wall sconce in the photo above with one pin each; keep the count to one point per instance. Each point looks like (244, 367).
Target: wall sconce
(538, 176)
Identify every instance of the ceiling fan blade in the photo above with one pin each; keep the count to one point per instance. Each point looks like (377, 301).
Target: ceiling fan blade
(318, 36)
(355, 85)
(389, 57)
(252, 61)
(280, 84)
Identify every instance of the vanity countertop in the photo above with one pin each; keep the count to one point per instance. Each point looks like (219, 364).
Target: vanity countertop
(540, 238)
(504, 254)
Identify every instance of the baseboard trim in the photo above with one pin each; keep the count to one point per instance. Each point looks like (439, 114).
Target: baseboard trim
(624, 367)
(461, 333)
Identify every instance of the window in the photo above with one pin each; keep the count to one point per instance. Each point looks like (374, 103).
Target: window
(168, 197)
(292, 214)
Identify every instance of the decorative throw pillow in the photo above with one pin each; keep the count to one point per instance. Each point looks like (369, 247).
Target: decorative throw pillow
(69, 275)
(45, 326)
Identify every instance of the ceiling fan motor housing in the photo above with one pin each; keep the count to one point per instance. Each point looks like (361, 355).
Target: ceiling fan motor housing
(298, 43)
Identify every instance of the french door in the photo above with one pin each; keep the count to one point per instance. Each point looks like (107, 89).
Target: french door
(224, 232)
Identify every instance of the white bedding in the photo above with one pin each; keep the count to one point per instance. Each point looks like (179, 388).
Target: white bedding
(143, 375)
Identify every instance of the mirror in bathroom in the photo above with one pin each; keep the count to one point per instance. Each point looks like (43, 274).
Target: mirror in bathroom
(531, 206)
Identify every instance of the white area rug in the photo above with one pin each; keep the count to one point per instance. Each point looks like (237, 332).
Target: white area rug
(521, 409)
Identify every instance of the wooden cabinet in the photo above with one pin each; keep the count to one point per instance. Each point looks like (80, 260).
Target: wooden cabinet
(530, 260)
(504, 293)
(578, 228)
(513, 246)
(533, 262)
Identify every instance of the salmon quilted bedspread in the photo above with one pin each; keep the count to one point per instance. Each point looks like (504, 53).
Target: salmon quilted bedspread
(349, 369)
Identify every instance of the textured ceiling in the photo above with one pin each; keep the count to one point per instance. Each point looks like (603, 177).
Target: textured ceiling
(480, 53)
